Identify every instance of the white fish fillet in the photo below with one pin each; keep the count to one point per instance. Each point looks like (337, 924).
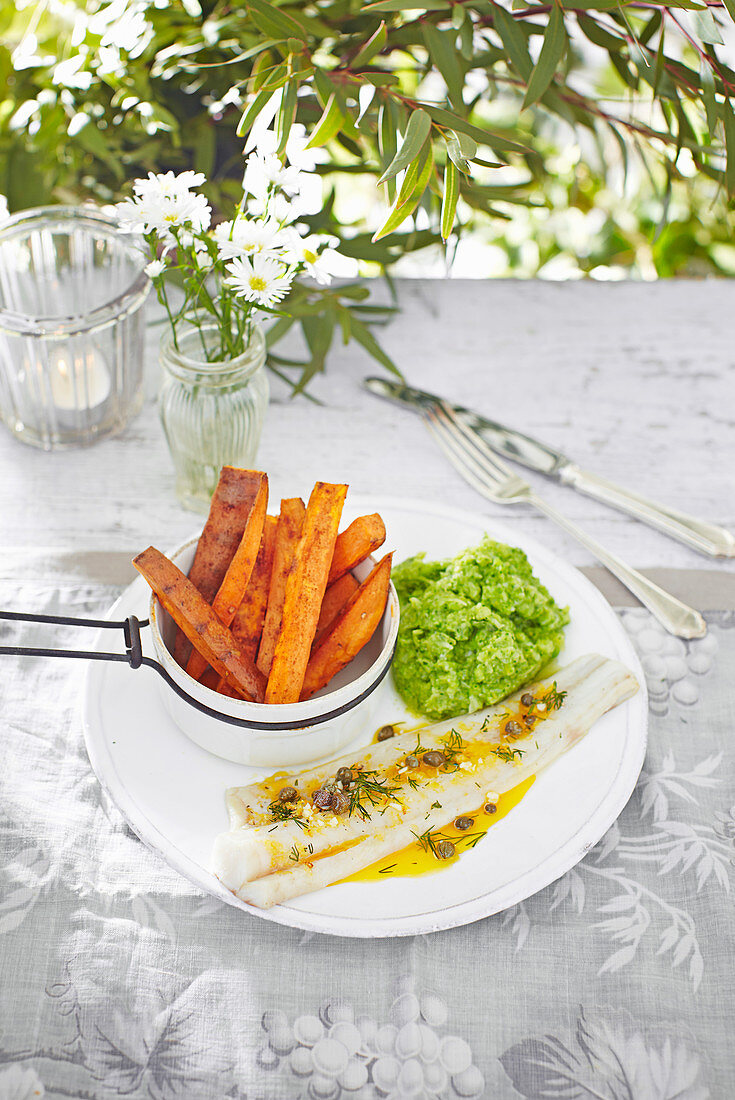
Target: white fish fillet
(268, 863)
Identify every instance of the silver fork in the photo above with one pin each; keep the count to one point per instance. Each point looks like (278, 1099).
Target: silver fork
(482, 468)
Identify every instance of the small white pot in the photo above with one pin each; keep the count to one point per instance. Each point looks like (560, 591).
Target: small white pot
(324, 724)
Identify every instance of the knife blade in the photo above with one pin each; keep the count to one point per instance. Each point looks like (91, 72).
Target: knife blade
(708, 538)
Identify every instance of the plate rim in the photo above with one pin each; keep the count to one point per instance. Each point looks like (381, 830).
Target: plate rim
(466, 912)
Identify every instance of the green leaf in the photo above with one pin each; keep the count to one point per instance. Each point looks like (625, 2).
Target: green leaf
(270, 79)
(599, 35)
(372, 47)
(706, 27)
(449, 199)
(380, 79)
(278, 330)
(360, 332)
(328, 125)
(552, 51)
(251, 113)
(318, 332)
(286, 114)
(514, 40)
(482, 137)
(461, 149)
(443, 52)
(707, 80)
(274, 21)
(411, 5)
(388, 139)
(730, 5)
(417, 131)
(729, 120)
(405, 204)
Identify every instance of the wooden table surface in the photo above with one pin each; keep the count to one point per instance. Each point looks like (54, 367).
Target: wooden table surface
(635, 381)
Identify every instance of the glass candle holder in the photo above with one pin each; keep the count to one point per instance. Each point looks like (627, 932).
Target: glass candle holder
(212, 412)
(71, 326)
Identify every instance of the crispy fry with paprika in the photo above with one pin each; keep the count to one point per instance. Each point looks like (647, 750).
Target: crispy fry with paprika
(231, 503)
(288, 533)
(237, 578)
(364, 535)
(305, 588)
(352, 630)
(193, 615)
(334, 600)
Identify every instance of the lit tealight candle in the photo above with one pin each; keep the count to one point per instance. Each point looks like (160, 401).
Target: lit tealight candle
(78, 382)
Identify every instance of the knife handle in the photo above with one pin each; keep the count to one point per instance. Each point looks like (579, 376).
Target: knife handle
(708, 538)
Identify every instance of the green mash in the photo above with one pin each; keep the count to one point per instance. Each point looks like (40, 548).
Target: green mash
(473, 629)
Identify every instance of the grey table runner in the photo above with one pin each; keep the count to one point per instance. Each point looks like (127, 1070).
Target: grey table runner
(118, 978)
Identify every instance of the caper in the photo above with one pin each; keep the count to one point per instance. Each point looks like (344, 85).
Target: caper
(444, 849)
(490, 808)
(526, 699)
(513, 729)
(464, 823)
(529, 720)
(340, 802)
(288, 794)
(386, 732)
(433, 759)
(323, 799)
(412, 761)
(345, 775)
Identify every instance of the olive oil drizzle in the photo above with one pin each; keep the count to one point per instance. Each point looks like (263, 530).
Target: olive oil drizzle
(417, 859)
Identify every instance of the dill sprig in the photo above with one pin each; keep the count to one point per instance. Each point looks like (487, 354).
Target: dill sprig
(285, 811)
(453, 745)
(471, 839)
(429, 840)
(506, 753)
(553, 699)
(293, 855)
(368, 787)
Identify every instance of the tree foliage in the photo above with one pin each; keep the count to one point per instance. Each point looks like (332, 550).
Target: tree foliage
(442, 110)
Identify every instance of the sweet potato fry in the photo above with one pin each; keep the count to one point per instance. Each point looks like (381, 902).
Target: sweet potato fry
(231, 503)
(247, 626)
(353, 629)
(288, 533)
(362, 537)
(236, 579)
(334, 600)
(195, 617)
(305, 588)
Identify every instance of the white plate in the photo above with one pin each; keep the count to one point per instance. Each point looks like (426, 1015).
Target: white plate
(171, 792)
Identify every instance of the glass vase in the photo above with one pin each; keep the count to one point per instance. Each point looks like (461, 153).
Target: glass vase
(71, 326)
(212, 412)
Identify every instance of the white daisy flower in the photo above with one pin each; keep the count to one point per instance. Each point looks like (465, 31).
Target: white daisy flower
(247, 237)
(261, 280)
(322, 265)
(265, 173)
(167, 184)
(162, 211)
(265, 142)
(4, 212)
(155, 268)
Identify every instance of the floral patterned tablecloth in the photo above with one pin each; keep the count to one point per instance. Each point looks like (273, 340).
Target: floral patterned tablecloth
(118, 978)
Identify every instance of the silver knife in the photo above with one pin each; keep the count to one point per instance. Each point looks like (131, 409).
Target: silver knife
(708, 538)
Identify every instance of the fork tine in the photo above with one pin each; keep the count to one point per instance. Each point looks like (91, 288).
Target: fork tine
(485, 456)
(464, 464)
